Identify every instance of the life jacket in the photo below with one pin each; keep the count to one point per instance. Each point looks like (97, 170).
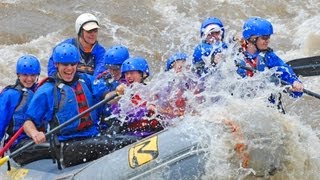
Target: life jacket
(258, 63)
(19, 116)
(69, 102)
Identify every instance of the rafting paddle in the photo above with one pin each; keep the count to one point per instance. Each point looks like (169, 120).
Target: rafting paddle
(11, 141)
(54, 130)
(310, 93)
(309, 66)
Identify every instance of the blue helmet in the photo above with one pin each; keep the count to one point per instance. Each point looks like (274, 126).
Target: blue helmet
(175, 57)
(202, 49)
(116, 55)
(66, 53)
(136, 64)
(256, 26)
(211, 20)
(28, 64)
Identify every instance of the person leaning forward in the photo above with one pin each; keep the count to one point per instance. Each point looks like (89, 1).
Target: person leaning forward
(91, 51)
(61, 98)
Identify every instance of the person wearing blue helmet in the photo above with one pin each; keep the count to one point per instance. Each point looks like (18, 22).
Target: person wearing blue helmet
(210, 50)
(176, 62)
(138, 121)
(110, 79)
(14, 103)
(257, 55)
(61, 98)
(91, 51)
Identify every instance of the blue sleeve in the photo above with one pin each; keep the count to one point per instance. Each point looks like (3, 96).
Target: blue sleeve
(101, 88)
(200, 50)
(197, 54)
(9, 100)
(40, 109)
(242, 72)
(286, 71)
(99, 52)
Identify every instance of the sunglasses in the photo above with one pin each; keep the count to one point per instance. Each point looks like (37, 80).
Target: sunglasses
(67, 64)
(266, 37)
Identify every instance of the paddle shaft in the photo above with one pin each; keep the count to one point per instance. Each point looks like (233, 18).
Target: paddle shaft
(54, 130)
(11, 141)
(310, 93)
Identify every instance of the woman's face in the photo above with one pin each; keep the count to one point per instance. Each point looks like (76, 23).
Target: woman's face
(263, 42)
(178, 65)
(90, 36)
(213, 37)
(133, 76)
(27, 80)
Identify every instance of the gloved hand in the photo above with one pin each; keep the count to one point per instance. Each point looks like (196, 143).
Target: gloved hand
(297, 86)
(120, 89)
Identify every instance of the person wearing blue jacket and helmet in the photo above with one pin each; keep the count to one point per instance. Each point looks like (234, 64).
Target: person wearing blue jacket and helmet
(91, 51)
(109, 80)
(176, 62)
(212, 44)
(138, 118)
(14, 103)
(61, 98)
(258, 56)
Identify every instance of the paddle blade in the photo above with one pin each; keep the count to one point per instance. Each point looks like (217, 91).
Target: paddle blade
(309, 66)
(4, 160)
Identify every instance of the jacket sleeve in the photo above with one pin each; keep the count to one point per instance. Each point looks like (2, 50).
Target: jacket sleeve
(285, 71)
(8, 104)
(99, 52)
(40, 109)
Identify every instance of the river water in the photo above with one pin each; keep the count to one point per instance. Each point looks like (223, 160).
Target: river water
(155, 29)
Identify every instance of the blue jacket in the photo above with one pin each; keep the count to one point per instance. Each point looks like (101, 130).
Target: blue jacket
(101, 86)
(14, 103)
(95, 59)
(205, 49)
(57, 95)
(269, 60)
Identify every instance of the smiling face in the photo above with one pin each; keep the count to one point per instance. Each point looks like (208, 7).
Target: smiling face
(213, 37)
(133, 76)
(263, 42)
(66, 71)
(90, 36)
(178, 65)
(27, 80)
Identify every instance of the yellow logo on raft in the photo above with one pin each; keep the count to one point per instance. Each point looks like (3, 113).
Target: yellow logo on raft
(17, 173)
(143, 152)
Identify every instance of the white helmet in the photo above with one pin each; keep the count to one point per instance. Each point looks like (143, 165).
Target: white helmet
(83, 19)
